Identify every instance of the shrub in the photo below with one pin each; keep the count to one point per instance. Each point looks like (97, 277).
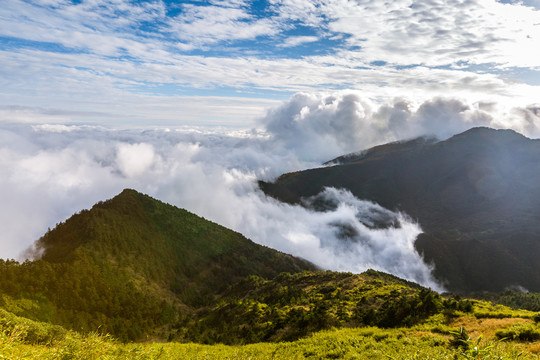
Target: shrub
(520, 332)
(460, 339)
(28, 331)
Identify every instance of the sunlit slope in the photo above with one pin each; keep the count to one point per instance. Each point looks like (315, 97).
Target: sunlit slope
(133, 266)
(440, 337)
(172, 247)
(476, 196)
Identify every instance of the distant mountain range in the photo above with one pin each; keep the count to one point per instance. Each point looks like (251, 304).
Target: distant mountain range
(475, 195)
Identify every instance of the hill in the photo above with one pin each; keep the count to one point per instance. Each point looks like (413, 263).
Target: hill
(475, 196)
(134, 267)
(143, 270)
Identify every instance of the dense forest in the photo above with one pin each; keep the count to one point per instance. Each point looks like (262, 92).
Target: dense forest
(133, 267)
(79, 296)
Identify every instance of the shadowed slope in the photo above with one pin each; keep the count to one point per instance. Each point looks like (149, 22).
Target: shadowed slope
(475, 195)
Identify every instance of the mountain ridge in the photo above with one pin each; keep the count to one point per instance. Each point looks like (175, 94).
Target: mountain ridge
(475, 193)
(133, 263)
(103, 283)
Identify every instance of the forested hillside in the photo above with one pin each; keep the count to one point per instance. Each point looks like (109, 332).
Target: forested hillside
(483, 332)
(133, 267)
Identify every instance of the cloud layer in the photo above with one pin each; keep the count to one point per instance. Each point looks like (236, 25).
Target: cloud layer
(51, 171)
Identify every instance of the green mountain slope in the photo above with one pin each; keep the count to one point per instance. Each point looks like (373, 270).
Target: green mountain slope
(133, 266)
(476, 196)
(140, 269)
(292, 306)
(157, 242)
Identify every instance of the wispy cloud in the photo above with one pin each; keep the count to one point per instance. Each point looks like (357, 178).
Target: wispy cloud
(293, 41)
(205, 25)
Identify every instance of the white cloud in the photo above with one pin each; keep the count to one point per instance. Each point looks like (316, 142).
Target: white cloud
(70, 168)
(293, 41)
(202, 25)
(88, 26)
(130, 92)
(135, 159)
(438, 32)
(532, 3)
(331, 124)
(108, 59)
(307, 12)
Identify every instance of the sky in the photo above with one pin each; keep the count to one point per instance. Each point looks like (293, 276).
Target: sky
(225, 63)
(192, 102)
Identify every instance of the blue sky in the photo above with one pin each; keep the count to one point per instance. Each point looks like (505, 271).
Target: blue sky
(225, 63)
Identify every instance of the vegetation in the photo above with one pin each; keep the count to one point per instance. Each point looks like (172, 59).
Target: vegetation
(292, 306)
(520, 332)
(133, 267)
(429, 341)
(120, 272)
(511, 298)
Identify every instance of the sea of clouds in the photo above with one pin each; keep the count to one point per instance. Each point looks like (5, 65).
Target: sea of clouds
(50, 171)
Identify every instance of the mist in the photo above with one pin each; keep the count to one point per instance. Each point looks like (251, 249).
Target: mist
(50, 171)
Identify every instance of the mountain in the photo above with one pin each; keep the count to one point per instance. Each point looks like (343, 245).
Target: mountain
(134, 267)
(475, 195)
(190, 256)
(140, 269)
(143, 270)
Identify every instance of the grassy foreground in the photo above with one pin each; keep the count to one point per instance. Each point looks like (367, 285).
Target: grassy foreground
(435, 339)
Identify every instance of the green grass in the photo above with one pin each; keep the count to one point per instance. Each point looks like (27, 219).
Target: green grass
(362, 343)
(434, 338)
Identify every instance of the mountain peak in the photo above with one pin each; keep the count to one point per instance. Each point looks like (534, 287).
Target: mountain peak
(163, 243)
(383, 150)
(133, 264)
(474, 193)
(489, 134)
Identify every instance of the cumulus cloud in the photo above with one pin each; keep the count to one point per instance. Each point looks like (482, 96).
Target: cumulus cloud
(318, 125)
(134, 159)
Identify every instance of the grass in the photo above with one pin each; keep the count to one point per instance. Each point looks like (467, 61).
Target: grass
(512, 336)
(360, 343)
